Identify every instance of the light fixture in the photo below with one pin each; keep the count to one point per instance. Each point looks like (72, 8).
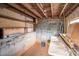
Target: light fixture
(74, 21)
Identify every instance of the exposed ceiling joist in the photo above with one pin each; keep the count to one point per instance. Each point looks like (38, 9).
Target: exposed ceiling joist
(63, 9)
(52, 9)
(71, 10)
(16, 10)
(28, 11)
(11, 18)
(22, 9)
(39, 5)
(41, 10)
(29, 7)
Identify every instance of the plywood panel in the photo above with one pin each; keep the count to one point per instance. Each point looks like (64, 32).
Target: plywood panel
(11, 30)
(70, 30)
(75, 34)
(9, 13)
(10, 23)
(73, 30)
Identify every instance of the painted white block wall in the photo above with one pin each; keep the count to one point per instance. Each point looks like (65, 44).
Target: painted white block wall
(47, 28)
(19, 45)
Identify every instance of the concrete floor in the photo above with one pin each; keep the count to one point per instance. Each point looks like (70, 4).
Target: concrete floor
(37, 50)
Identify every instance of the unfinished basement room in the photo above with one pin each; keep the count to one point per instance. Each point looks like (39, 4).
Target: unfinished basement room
(39, 29)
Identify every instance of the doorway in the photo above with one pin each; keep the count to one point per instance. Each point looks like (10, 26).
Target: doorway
(1, 33)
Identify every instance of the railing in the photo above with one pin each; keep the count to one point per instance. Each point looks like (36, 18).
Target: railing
(69, 45)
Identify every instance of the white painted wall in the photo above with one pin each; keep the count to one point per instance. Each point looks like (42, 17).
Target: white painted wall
(19, 45)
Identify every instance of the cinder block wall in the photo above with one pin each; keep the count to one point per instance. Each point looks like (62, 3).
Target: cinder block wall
(47, 28)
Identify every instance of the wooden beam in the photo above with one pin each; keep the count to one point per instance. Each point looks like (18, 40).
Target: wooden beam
(14, 27)
(44, 11)
(27, 11)
(25, 29)
(29, 7)
(11, 18)
(22, 9)
(39, 6)
(15, 10)
(34, 25)
(52, 9)
(63, 9)
(71, 9)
